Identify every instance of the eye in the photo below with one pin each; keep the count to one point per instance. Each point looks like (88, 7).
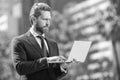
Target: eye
(44, 19)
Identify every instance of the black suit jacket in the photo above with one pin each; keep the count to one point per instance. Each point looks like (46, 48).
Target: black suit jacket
(29, 60)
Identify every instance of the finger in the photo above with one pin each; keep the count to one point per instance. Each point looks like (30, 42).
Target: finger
(53, 58)
(62, 57)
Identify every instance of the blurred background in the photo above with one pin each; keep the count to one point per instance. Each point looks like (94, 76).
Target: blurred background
(88, 20)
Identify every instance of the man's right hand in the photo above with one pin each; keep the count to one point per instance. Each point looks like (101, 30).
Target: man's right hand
(56, 59)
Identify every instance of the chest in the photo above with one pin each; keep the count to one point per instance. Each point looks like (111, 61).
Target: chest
(34, 51)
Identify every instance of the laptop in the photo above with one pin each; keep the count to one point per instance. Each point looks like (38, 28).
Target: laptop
(79, 51)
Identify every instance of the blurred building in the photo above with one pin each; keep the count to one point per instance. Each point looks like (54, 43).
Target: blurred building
(14, 14)
(8, 18)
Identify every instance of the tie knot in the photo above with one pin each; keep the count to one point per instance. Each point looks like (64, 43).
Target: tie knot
(41, 37)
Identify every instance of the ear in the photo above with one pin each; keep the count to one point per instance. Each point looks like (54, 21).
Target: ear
(34, 20)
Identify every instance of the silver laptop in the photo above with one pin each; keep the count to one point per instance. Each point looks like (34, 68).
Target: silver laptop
(79, 51)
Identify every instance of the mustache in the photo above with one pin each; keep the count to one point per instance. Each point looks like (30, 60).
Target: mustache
(45, 26)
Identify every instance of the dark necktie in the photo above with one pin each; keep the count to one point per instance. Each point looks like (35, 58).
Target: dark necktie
(45, 52)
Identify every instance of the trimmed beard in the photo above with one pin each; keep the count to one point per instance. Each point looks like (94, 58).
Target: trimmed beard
(40, 29)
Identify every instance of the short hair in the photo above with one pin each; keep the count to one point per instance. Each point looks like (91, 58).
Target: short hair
(36, 10)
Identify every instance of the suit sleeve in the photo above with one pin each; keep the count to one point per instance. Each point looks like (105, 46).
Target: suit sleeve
(20, 62)
(59, 73)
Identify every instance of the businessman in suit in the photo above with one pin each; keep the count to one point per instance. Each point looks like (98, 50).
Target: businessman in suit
(33, 53)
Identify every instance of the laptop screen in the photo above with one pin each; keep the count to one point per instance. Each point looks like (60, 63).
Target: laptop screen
(79, 51)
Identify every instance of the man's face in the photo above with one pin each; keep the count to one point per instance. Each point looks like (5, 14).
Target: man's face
(43, 22)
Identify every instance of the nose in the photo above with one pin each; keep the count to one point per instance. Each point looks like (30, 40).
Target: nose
(47, 23)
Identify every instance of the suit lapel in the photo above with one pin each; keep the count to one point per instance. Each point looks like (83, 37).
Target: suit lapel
(33, 42)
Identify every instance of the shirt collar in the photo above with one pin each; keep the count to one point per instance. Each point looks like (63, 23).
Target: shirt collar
(35, 34)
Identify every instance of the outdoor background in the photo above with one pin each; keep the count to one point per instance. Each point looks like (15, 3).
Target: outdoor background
(86, 20)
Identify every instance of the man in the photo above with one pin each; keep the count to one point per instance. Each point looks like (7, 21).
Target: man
(33, 53)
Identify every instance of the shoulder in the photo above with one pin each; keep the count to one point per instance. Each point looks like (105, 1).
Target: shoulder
(19, 39)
